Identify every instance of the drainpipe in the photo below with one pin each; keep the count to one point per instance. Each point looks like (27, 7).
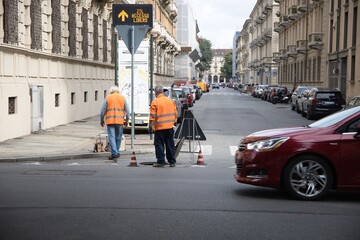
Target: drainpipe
(307, 41)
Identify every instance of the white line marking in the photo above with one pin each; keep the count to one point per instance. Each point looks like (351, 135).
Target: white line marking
(205, 149)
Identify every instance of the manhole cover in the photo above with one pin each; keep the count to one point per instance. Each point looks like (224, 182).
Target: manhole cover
(147, 163)
(61, 172)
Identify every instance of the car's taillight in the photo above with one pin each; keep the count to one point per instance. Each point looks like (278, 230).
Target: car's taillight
(315, 101)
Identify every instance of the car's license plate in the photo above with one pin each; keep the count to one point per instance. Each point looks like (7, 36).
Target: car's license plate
(139, 122)
(328, 103)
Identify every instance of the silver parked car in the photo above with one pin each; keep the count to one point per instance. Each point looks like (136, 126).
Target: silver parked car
(296, 95)
(170, 92)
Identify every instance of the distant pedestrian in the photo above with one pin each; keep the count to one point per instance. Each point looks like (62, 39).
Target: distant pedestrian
(163, 117)
(115, 113)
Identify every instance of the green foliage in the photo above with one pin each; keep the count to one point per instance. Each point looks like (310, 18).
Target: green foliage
(226, 69)
(207, 54)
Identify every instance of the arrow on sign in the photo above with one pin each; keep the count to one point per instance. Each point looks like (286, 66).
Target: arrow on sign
(123, 15)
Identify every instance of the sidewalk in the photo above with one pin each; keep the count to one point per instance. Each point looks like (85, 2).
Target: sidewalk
(71, 141)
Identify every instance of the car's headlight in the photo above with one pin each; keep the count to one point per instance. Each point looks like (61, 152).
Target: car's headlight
(267, 144)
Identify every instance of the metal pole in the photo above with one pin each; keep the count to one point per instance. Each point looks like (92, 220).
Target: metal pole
(116, 59)
(151, 76)
(132, 87)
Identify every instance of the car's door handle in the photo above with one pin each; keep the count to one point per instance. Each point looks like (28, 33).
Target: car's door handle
(334, 144)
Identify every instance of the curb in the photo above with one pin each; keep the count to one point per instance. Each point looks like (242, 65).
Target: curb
(55, 157)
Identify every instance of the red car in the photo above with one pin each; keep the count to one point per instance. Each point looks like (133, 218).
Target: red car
(305, 161)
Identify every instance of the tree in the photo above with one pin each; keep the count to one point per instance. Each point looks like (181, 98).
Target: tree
(226, 69)
(207, 54)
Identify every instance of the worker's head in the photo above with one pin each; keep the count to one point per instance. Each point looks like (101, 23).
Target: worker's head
(158, 90)
(114, 89)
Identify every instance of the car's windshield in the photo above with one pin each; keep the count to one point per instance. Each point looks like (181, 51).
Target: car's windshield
(334, 118)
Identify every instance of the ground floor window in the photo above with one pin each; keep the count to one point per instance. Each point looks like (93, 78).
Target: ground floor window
(12, 105)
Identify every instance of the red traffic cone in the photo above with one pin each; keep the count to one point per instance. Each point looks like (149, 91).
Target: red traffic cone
(133, 162)
(200, 160)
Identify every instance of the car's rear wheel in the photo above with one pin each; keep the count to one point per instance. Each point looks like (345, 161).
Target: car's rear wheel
(307, 177)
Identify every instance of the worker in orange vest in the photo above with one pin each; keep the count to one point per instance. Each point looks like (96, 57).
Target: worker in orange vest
(163, 117)
(115, 113)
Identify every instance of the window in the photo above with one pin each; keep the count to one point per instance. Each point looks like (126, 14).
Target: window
(96, 37)
(56, 26)
(57, 99)
(72, 98)
(96, 95)
(84, 32)
(352, 77)
(12, 105)
(72, 29)
(345, 30)
(85, 96)
(105, 49)
(354, 27)
(36, 25)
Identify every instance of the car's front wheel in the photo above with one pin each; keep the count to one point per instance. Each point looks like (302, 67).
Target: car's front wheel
(307, 177)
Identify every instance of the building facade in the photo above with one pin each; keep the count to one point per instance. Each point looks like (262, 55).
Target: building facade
(235, 54)
(56, 62)
(187, 36)
(214, 73)
(313, 42)
(57, 59)
(165, 47)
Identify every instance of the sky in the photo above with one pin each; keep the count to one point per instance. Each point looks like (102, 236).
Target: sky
(218, 20)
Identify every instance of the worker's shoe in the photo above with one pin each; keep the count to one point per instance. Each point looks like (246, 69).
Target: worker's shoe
(159, 165)
(114, 157)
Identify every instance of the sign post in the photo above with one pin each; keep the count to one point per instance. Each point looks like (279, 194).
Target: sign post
(132, 21)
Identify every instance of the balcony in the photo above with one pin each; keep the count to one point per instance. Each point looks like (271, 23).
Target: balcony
(260, 42)
(291, 51)
(259, 20)
(301, 46)
(268, 6)
(303, 6)
(171, 10)
(165, 2)
(276, 56)
(316, 40)
(266, 61)
(283, 54)
(277, 27)
(292, 13)
(266, 35)
(284, 21)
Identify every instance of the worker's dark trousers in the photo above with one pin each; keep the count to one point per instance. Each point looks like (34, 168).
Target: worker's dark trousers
(164, 139)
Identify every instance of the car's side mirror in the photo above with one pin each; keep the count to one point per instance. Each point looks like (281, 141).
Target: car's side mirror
(357, 135)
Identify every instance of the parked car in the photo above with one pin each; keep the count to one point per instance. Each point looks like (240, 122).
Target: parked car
(258, 91)
(302, 100)
(190, 97)
(296, 95)
(355, 101)
(276, 92)
(170, 93)
(305, 161)
(215, 85)
(184, 97)
(323, 102)
(267, 92)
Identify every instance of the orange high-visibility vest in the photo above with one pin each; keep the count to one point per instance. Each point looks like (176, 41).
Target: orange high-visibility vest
(115, 111)
(163, 112)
